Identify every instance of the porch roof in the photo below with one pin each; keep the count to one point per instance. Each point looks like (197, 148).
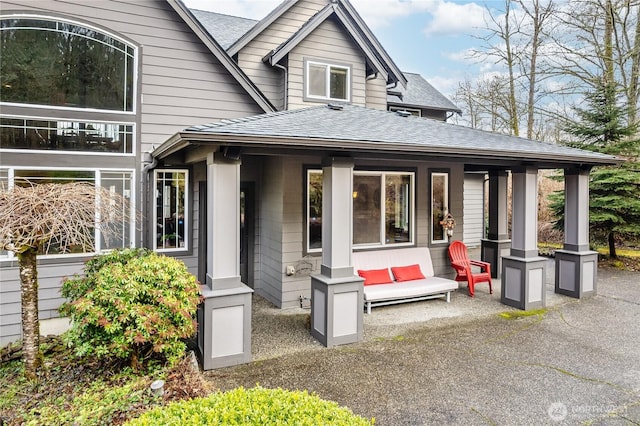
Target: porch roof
(350, 128)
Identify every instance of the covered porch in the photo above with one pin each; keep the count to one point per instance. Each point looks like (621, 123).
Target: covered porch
(276, 151)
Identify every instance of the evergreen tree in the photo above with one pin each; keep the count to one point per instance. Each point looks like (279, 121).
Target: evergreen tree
(614, 191)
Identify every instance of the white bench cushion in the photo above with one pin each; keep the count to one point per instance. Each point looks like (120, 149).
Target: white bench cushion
(406, 290)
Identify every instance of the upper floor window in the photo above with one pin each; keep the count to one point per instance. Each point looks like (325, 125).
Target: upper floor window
(42, 134)
(62, 64)
(327, 81)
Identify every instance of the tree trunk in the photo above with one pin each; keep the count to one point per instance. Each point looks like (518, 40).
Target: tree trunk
(612, 246)
(30, 322)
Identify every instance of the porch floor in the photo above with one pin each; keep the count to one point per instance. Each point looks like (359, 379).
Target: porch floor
(278, 332)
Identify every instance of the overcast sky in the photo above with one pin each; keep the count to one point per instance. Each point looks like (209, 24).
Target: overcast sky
(429, 37)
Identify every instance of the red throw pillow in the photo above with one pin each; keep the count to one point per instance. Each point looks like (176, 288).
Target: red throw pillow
(407, 273)
(375, 276)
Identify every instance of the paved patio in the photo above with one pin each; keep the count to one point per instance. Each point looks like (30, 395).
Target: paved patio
(461, 363)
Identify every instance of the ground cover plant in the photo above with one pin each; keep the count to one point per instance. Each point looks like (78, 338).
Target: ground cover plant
(87, 391)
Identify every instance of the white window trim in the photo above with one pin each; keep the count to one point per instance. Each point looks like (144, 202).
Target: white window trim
(446, 204)
(10, 256)
(71, 152)
(187, 236)
(309, 96)
(381, 175)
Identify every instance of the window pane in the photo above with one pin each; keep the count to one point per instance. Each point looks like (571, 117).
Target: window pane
(118, 183)
(317, 80)
(58, 63)
(439, 193)
(366, 209)
(34, 177)
(18, 133)
(171, 193)
(315, 210)
(398, 214)
(338, 83)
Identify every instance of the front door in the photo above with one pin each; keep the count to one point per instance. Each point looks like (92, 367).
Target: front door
(247, 218)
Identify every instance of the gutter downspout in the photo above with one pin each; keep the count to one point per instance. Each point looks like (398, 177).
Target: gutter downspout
(150, 162)
(286, 85)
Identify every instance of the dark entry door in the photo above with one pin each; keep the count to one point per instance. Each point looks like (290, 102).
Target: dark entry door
(247, 218)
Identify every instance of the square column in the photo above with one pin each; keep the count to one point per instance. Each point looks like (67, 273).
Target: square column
(524, 272)
(337, 295)
(224, 317)
(576, 265)
(497, 245)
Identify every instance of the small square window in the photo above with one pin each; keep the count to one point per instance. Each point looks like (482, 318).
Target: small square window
(327, 82)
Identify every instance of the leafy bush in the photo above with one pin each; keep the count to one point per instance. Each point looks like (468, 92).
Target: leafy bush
(257, 406)
(131, 304)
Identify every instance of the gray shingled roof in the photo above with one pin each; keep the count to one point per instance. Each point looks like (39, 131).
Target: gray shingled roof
(419, 93)
(358, 128)
(225, 29)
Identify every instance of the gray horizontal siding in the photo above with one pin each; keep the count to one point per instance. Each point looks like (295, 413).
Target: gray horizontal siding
(50, 277)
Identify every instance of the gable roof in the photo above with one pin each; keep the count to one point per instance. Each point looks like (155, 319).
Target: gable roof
(221, 55)
(348, 16)
(354, 128)
(261, 26)
(225, 29)
(281, 51)
(420, 94)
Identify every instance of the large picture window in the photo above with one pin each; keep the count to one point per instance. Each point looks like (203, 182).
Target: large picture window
(383, 209)
(117, 182)
(171, 213)
(327, 82)
(439, 205)
(58, 63)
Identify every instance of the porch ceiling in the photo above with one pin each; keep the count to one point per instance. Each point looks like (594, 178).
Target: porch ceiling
(360, 130)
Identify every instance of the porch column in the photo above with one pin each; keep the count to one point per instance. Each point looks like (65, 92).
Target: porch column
(497, 244)
(576, 265)
(337, 295)
(524, 272)
(224, 317)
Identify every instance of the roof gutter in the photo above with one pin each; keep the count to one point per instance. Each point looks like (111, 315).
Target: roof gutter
(184, 139)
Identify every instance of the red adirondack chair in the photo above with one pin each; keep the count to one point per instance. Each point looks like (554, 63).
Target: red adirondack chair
(463, 265)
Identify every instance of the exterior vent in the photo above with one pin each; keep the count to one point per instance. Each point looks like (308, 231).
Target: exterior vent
(403, 113)
(335, 107)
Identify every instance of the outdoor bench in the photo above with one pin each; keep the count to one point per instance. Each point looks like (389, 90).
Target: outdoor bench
(399, 276)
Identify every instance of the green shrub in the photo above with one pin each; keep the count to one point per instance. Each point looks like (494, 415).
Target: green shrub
(257, 406)
(131, 304)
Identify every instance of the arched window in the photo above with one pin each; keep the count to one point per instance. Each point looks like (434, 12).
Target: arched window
(62, 64)
(65, 87)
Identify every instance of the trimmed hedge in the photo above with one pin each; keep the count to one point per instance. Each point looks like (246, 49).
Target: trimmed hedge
(257, 406)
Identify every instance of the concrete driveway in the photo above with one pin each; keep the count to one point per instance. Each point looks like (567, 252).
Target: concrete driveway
(462, 363)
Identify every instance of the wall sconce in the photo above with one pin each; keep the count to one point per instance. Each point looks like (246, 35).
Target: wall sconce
(448, 223)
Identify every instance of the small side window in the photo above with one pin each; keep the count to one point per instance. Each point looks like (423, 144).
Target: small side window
(171, 213)
(439, 205)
